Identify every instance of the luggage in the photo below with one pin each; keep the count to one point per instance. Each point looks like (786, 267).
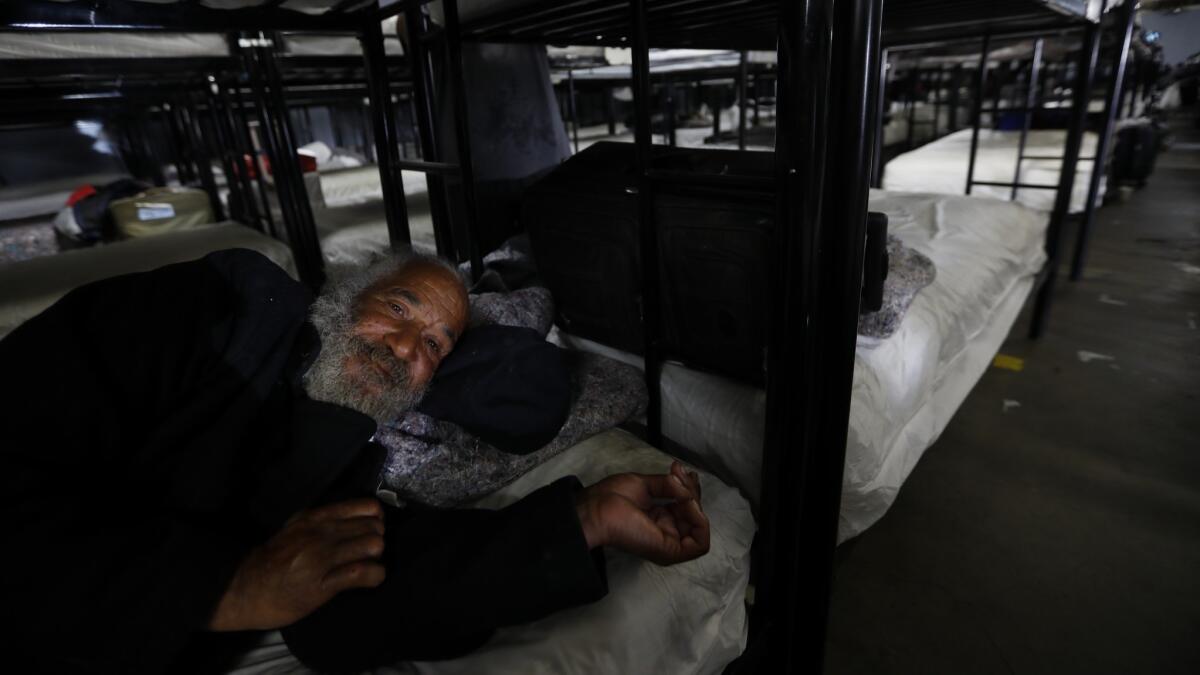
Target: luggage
(86, 219)
(161, 209)
(1134, 154)
(714, 253)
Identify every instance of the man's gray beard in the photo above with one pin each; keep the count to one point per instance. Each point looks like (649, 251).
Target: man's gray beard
(368, 390)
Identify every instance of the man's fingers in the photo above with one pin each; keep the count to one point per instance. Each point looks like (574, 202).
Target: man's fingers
(691, 512)
(367, 507)
(352, 527)
(689, 478)
(665, 486)
(362, 574)
(364, 547)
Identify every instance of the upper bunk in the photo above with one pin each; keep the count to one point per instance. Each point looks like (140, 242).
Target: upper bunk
(746, 24)
(81, 45)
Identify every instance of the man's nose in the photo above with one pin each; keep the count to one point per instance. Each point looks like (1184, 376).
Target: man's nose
(403, 342)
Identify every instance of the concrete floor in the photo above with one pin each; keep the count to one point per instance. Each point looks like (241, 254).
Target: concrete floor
(1061, 535)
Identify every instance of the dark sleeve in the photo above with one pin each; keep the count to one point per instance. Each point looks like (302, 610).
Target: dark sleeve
(115, 406)
(453, 577)
(115, 591)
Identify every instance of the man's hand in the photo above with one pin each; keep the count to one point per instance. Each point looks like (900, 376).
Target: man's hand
(317, 554)
(656, 517)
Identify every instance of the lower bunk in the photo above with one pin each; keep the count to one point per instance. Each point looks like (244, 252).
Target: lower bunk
(688, 618)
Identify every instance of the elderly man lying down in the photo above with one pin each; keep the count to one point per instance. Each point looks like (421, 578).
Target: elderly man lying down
(189, 456)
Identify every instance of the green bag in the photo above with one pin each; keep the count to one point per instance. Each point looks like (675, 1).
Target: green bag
(159, 210)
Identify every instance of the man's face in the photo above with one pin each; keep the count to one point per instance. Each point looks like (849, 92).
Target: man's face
(411, 319)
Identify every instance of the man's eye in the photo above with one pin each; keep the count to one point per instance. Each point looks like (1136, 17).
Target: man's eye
(398, 309)
(433, 345)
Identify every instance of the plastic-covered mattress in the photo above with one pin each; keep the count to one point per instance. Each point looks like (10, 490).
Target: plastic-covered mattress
(28, 287)
(941, 166)
(689, 618)
(906, 387)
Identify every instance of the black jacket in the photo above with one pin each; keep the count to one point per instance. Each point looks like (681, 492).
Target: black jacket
(156, 430)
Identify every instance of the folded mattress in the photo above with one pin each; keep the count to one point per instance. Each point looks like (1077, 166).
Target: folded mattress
(941, 166)
(689, 618)
(906, 387)
(46, 197)
(29, 286)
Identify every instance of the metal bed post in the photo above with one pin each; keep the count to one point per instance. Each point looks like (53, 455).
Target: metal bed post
(200, 152)
(239, 148)
(183, 172)
(822, 229)
(716, 106)
(977, 107)
(1111, 109)
(281, 149)
(611, 111)
(1066, 181)
(668, 89)
(252, 151)
(572, 109)
(743, 74)
(387, 142)
(225, 150)
(913, 80)
(756, 90)
(462, 130)
(880, 105)
(1133, 86)
(422, 70)
(937, 100)
(144, 125)
(1031, 93)
(651, 309)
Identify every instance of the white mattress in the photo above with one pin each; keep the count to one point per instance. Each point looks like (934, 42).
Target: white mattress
(690, 618)
(341, 187)
(341, 45)
(941, 166)
(352, 224)
(47, 197)
(111, 45)
(907, 387)
(29, 286)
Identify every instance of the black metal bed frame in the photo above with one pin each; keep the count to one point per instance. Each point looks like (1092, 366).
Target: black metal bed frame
(827, 102)
(747, 78)
(1081, 95)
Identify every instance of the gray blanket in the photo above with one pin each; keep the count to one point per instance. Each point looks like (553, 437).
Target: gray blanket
(438, 463)
(908, 272)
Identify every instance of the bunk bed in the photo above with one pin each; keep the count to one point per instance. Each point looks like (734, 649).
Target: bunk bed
(823, 152)
(714, 619)
(941, 166)
(749, 74)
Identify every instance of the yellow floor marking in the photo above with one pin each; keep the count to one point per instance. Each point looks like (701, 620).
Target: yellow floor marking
(1009, 362)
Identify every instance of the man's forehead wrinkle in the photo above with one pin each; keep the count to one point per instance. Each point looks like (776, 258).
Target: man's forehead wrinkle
(408, 295)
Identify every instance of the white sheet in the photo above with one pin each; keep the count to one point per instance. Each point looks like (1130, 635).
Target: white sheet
(47, 197)
(354, 234)
(941, 166)
(906, 388)
(29, 286)
(690, 618)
